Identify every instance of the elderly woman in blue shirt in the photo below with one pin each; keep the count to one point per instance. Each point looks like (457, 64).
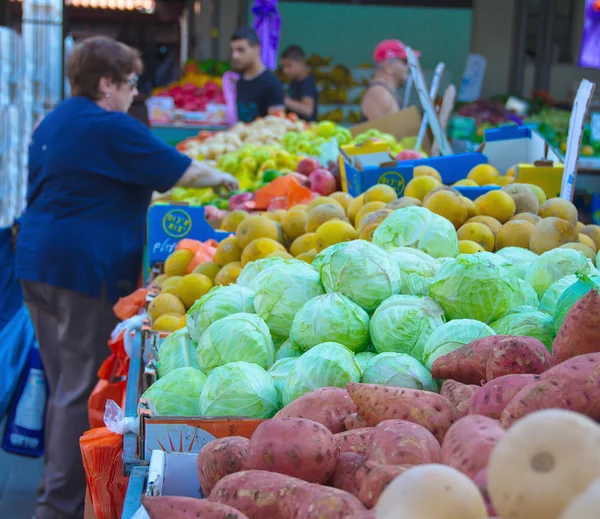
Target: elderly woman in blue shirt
(92, 172)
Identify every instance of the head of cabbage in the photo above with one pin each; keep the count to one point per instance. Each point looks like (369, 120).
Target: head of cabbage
(453, 335)
(176, 351)
(177, 393)
(554, 265)
(474, 286)
(519, 258)
(363, 358)
(416, 270)
(219, 302)
(571, 296)
(327, 365)
(525, 295)
(419, 228)
(330, 318)
(361, 271)
(286, 351)
(237, 337)
(552, 295)
(400, 370)
(281, 291)
(239, 389)
(279, 373)
(403, 324)
(526, 321)
(254, 268)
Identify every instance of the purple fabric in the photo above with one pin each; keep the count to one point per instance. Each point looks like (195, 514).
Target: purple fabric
(589, 55)
(229, 93)
(267, 24)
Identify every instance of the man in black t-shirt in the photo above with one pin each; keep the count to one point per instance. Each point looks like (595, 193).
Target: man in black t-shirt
(259, 92)
(303, 97)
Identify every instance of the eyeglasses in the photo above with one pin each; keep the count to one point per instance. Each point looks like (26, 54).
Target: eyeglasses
(133, 82)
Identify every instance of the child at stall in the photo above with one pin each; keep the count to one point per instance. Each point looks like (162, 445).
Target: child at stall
(302, 96)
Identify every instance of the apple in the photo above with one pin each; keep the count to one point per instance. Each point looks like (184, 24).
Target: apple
(301, 179)
(322, 182)
(236, 201)
(409, 155)
(307, 166)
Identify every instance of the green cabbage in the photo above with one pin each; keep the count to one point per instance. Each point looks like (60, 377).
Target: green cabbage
(419, 228)
(361, 271)
(176, 351)
(363, 358)
(474, 286)
(330, 318)
(570, 297)
(239, 389)
(416, 270)
(237, 337)
(527, 322)
(403, 324)
(521, 259)
(400, 370)
(286, 351)
(525, 295)
(554, 265)
(327, 365)
(219, 302)
(452, 336)
(552, 295)
(281, 291)
(177, 393)
(279, 373)
(253, 268)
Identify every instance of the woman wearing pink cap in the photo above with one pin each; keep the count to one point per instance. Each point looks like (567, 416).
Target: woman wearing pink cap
(391, 70)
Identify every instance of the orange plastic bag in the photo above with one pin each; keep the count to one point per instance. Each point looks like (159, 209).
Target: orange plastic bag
(286, 188)
(203, 251)
(112, 382)
(130, 305)
(102, 453)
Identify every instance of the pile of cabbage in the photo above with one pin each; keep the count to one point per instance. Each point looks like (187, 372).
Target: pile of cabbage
(379, 312)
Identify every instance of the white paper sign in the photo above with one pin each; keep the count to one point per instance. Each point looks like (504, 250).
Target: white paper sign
(472, 81)
(580, 107)
(596, 127)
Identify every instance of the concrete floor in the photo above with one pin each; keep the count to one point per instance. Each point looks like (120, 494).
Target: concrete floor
(19, 478)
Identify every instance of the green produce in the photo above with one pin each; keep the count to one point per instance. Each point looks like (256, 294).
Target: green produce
(363, 358)
(474, 286)
(571, 295)
(279, 373)
(416, 270)
(525, 295)
(403, 324)
(398, 369)
(453, 335)
(327, 365)
(239, 389)
(281, 291)
(330, 318)
(177, 393)
(361, 271)
(554, 265)
(552, 295)
(252, 269)
(219, 302)
(419, 228)
(526, 321)
(520, 259)
(286, 351)
(237, 337)
(176, 351)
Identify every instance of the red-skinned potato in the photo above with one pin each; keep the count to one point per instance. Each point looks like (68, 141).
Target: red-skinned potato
(344, 476)
(163, 507)
(356, 440)
(219, 458)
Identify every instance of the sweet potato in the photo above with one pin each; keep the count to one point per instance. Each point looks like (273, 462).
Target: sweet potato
(162, 507)
(355, 440)
(579, 392)
(374, 478)
(515, 355)
(480, 480)
(469, 443)
(344, 476)
(354, 421)
(398, 442)
(378, 403)
(459, 395)
(297, 447)
(469, 363)
(580, 330)
(219, 458)
(369, 514)
(491, 399)
(255, 493)
(327, 405)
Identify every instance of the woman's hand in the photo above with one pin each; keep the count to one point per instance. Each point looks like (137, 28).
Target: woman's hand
(202, 175)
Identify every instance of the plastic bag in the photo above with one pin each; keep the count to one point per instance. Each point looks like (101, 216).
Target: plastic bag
(287, 188)
(24, 433)
(117, 422)
(130, 305)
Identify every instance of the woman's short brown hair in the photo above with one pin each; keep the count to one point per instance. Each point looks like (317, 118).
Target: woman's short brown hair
(99, 57)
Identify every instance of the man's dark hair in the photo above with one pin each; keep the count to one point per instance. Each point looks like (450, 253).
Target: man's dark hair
(293, 52)
(244, 33)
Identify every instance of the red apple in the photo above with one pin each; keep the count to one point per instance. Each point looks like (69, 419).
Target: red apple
(307, 166)
(409, 155)
(322, 182)
(236, 201)
(301, 179)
